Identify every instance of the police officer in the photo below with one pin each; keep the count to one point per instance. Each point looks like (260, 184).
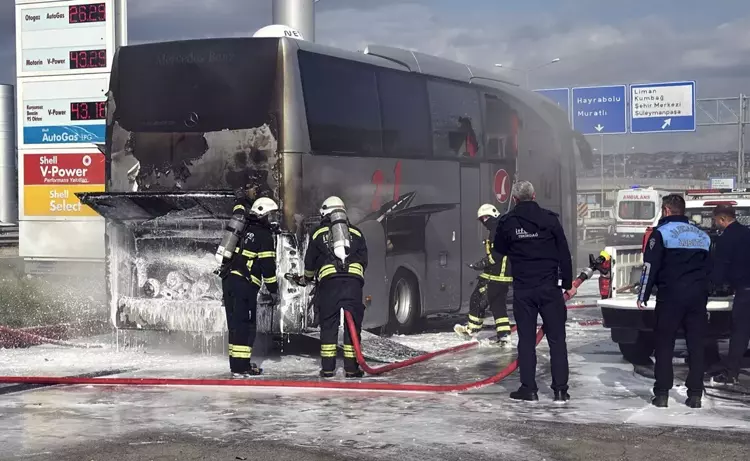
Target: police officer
(535, 243)
(492, 284)
(732, 267)
(252, 263)
(676, 262)
(336, 258)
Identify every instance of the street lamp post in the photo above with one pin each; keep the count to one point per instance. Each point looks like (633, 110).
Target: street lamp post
(528, 70)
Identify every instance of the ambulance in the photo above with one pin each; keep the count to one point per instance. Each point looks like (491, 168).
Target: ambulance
(636, 209)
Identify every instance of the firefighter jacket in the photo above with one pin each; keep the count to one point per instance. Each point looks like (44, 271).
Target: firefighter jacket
(495, 266)
(321, 263)
(255, 255)
(676, 260)
(732, 259)
(534, 241)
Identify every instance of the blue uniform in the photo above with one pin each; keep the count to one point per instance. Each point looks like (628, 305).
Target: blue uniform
(676, 261)
(732, 266)
(535, 243)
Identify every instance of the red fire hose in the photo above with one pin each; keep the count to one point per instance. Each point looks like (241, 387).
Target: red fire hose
(372, 386)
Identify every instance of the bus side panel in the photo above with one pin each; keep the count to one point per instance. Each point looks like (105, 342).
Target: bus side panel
(415, 202)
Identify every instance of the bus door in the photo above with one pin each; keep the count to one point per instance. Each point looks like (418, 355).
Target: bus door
(472, 231)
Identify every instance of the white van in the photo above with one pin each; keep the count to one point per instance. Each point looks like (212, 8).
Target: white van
(636, 209)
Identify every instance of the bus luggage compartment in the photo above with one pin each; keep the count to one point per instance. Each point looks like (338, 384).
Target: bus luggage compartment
(160, 260)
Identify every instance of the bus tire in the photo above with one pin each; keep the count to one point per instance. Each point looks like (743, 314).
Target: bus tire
(404, 307)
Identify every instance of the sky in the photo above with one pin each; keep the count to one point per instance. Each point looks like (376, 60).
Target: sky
(598, 42)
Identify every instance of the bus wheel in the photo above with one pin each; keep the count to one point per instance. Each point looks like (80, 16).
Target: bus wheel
(404, 310)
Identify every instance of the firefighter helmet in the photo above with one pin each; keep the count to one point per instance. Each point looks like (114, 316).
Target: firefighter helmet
(487, 211)
(263, 206)
(330, 204)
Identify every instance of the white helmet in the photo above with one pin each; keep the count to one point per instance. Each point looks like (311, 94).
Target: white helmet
(330, 204)
(263, 206)
(487, 210)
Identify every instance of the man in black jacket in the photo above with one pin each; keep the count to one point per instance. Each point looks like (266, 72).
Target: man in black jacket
(676, 262)
(336, 257)
(732, 267)
(535, 243)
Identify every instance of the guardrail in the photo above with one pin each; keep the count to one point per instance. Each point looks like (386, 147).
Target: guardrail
(8, 236)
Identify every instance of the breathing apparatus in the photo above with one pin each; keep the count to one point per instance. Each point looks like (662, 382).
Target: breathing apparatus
(264, 210)
(339, 242)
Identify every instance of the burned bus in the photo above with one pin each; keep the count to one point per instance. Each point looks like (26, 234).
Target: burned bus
(412, 143)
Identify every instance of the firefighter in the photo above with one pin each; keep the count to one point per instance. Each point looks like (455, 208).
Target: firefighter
(676, 262)
(534, 241)
(336, 258)
(492, 284)
(248, 260)
(732, 267)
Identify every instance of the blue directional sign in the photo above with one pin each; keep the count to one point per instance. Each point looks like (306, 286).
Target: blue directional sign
(560, 96)
(662, 107)
(600, 109)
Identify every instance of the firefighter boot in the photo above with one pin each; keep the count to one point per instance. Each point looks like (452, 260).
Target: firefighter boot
(327, 374)
(253, 371)
(464, 332)
(503, 340)
(355, 374)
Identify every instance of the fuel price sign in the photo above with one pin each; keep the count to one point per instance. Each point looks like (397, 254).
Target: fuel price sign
(58, 38)
(70, 111)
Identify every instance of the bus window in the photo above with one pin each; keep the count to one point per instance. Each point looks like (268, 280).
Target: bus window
(192, 115)
(195, 86)
(341, 100)
(456, 121)
(501, 127)
(406, 114)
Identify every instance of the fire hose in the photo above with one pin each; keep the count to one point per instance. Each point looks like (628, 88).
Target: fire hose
(369, 386)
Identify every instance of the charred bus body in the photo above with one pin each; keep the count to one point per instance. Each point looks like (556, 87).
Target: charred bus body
(412, 143)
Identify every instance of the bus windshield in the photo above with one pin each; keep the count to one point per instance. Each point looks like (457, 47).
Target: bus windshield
(192, 115)
(703, 217)
(636, 210)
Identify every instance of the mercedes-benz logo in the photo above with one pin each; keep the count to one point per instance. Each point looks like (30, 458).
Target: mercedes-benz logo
(191, 120)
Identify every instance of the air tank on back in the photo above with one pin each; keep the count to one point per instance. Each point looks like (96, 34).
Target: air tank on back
(8, 167)
(340, 238)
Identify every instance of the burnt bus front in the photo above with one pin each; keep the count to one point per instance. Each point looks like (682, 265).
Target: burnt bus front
(189, 124)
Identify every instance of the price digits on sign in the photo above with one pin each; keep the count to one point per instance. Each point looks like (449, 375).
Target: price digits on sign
(91, 12)
(88, 59)
(89, 110)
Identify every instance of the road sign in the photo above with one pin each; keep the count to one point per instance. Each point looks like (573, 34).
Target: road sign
(51, 181)
(64, 37)
(560, 96)
(57, 112)
(722, 183)
(583, 209)
(662, 107)
(600, 109)
(502, 186)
